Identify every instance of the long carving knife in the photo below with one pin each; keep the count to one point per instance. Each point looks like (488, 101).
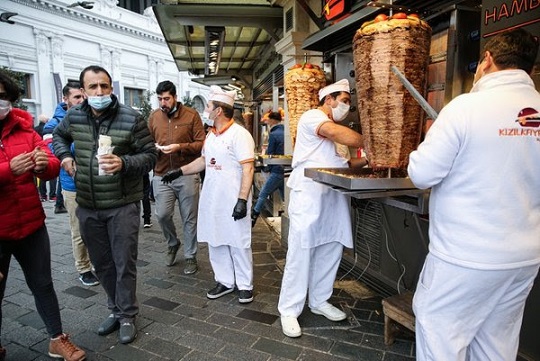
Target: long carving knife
(415, 94)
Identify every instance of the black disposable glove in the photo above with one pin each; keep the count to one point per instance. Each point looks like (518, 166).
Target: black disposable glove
(172, 175)
(240, 209)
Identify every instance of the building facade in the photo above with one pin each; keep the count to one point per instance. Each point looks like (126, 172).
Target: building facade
(51, 41)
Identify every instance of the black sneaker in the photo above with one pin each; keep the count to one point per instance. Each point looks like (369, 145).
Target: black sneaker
(88, 279)
(245, 296)
(147, 224)
(218, 291)
(60, 209)
(170, 257)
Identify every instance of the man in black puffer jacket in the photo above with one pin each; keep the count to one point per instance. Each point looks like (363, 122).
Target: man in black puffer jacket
(109, 189)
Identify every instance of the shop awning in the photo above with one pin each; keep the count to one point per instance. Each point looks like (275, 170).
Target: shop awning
(234, 35)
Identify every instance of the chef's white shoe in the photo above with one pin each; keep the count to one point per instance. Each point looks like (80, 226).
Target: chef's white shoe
(290, 327)
(330, 312)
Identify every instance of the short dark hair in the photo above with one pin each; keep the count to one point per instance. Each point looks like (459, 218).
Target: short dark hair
(13, 92)
(228, 111)
(70, 85)
(514, 49)
(276, 116)
(96, 69)
(333, 95)
(166, 86)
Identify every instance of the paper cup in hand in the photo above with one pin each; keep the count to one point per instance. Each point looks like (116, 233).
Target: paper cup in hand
(104, 147)
(104, 141)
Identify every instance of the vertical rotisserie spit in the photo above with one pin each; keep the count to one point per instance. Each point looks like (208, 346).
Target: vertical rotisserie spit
(391, 119)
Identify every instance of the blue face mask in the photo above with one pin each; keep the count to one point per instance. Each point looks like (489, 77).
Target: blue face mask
(100, 103)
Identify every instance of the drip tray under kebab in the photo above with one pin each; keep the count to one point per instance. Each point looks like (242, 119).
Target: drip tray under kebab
(363, 183)
(356, 179)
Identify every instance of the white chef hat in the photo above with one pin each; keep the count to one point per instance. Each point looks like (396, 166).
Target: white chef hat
(339, 86)
(219, 95)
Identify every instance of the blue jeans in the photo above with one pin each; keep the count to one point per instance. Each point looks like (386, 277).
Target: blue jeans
(274, 181)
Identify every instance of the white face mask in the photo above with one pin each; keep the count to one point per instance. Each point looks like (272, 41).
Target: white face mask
(5, 108)
(206, 119)
(340, 112)
(100, 103)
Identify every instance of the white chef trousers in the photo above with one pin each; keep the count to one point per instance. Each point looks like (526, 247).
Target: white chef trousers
(310, 270)
(232, 265)
(469, 314)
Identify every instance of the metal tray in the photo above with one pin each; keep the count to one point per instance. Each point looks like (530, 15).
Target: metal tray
(269, 160)
(356, 179)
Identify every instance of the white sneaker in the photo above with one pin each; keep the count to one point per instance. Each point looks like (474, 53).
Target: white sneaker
(290, 327)
(330, 312)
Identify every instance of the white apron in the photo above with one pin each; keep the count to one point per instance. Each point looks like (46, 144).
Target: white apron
(318, 214)
(223, 155)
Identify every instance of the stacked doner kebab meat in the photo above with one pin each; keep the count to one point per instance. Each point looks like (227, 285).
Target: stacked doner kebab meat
(391, 119)
(302, 84)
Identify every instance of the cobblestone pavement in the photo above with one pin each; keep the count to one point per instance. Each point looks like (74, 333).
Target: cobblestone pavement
(178, 322)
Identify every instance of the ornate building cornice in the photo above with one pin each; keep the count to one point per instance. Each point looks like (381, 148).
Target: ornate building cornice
(98, 19)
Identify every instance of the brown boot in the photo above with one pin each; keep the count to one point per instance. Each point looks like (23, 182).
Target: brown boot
(62, 347)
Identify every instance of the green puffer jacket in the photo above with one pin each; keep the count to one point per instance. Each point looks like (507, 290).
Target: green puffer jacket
(132, 143)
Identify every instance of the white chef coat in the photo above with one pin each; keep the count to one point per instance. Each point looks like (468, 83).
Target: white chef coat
(484, 225)
(224, 154)
(483, 167)
(318, 214)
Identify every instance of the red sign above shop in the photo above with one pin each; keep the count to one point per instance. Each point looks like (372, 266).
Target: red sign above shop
(336, 9)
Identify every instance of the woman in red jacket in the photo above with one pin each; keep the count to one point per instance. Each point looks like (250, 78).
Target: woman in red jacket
(23, 234)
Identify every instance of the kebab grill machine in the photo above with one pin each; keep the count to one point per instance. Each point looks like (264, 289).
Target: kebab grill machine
(396, 60)
(391, 118)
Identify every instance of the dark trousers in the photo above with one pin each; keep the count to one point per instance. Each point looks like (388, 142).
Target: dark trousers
(147, 209)
(43, 188)
(34, 256)
(112, 237)
(59, 196)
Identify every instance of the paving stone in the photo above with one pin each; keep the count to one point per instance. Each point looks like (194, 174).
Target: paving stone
(402, 347)
(277, 348)
(238, 353)
(127, 353)
(203, 356)
(161, 304)
(80, 292)
(159, 283)
(141, 263)
(200, 342)
(19, 352)
(356, 352)
(312, 355)
(165, 349)
(258, 316)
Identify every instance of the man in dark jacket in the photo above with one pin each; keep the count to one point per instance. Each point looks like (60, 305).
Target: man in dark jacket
(109, 189)
(276, 176)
